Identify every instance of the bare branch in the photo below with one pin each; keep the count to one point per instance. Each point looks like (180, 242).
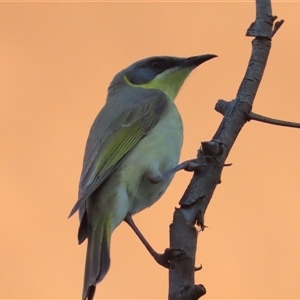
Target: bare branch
(212, 156)
(260, 118)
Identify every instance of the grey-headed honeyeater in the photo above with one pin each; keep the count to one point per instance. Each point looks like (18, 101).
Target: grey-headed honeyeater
(132, 148)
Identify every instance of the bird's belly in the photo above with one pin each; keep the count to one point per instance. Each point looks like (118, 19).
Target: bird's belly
(156, 154)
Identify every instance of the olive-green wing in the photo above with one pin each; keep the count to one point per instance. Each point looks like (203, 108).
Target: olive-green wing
(121, 136)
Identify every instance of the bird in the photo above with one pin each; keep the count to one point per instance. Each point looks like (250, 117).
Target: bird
(131, 155)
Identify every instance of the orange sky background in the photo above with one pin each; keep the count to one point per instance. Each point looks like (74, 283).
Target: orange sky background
(57, 60)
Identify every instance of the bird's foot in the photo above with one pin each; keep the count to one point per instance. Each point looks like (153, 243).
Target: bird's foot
(164, 259)
(189, 166)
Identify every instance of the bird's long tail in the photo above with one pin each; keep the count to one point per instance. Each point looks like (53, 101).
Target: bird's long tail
(97, 256)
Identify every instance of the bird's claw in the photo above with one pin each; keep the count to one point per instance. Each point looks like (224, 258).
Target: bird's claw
(192, 165)
(164, 259)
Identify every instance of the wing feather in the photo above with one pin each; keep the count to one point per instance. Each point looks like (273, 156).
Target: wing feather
(116, 139)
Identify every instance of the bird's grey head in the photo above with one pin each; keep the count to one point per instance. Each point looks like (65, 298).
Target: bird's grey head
(158, 72)
(145, 70)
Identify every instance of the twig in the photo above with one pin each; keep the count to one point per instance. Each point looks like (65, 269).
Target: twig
(260, 118)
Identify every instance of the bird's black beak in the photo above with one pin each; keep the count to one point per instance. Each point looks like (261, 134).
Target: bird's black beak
(195, 61)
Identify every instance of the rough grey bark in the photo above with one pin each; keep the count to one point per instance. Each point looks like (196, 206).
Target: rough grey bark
(211, 157)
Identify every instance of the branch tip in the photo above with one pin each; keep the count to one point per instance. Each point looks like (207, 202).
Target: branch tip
(228, 165)
(194, 292)
(222, 106)
(198, 268)
(200, 290)
(274, 18)
(211, 148)
(277, 25)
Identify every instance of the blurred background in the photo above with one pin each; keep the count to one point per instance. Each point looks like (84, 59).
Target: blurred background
(57, 60)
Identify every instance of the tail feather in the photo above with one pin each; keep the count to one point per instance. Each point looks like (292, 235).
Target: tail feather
(97, 257)
(91, 292)
(83, 231)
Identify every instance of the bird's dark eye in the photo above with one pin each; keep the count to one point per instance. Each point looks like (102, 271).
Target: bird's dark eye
(157, 65)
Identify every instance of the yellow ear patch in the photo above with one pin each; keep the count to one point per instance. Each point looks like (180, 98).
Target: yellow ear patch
(169, 82)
